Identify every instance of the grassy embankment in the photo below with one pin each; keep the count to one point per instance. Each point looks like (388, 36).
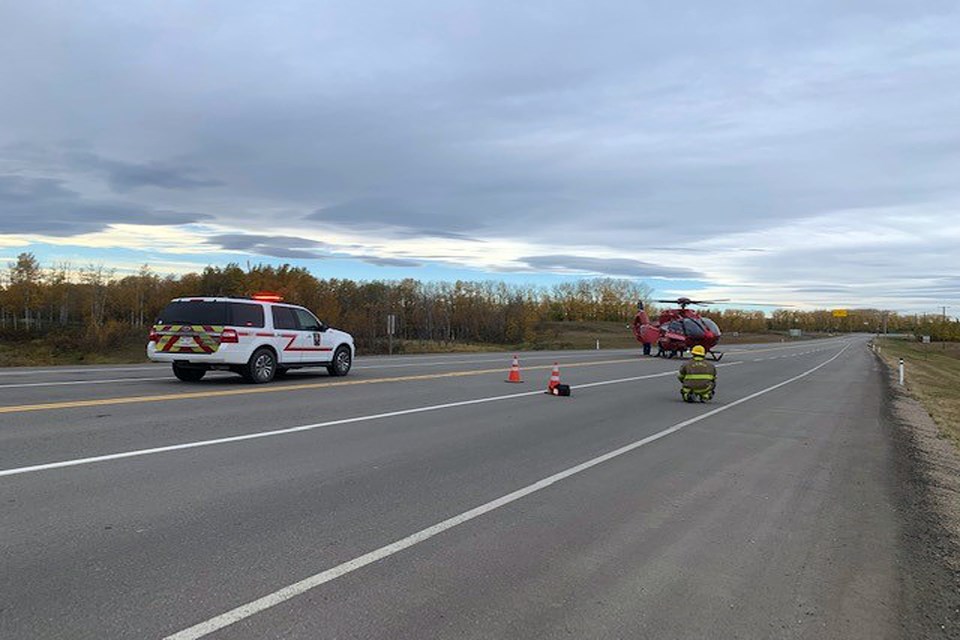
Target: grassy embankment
(932, 375)
(67, 348)
(128, 347)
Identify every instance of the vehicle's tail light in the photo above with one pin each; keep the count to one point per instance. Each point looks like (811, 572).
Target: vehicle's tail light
(154, 336)
(229, 336)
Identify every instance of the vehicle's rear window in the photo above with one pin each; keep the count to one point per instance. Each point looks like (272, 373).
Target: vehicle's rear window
(195, 312)
(246, 315)
(283, 318)
(237, 314)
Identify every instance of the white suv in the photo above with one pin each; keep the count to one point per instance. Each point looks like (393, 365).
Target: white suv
(259, 338)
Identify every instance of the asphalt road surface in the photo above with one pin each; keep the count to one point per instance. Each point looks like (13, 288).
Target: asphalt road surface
(423, 497)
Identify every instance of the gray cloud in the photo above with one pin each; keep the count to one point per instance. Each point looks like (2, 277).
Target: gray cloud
(384, 213)
(295, 248)
(45, 206)
(274, 246)
(609, 124)
(124, 176)
(826, 288)
(606, 266)
(391, 262)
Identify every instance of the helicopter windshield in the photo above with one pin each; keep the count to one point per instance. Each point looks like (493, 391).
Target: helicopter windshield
(711, 326)
(692, 328)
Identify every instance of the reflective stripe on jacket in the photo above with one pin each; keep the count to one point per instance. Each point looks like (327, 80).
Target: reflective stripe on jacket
(698, 374)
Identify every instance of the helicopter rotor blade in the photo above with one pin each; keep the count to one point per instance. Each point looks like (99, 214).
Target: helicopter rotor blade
(683, 302)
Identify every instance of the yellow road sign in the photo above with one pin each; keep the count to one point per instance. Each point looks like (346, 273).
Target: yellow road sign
(839, 313)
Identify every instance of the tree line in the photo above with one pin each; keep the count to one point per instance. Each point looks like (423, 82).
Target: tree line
(93, 302)
(91, 299)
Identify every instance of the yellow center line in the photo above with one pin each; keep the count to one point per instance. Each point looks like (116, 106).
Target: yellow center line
(195, 395)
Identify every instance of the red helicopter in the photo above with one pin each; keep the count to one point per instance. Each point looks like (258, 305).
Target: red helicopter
(677, 330)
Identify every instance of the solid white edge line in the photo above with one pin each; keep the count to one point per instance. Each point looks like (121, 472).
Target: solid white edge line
(438, 363)
(291, 591)
(65, 383)
(306, 427)
(89, 369)
(371, 367)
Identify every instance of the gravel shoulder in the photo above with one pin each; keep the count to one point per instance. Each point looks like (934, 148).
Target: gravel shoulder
(927, 481)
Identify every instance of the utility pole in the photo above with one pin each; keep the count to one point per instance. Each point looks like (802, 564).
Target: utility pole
(391, 329)
(943, 318)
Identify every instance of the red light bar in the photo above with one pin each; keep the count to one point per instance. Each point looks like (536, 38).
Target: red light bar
(266, 296)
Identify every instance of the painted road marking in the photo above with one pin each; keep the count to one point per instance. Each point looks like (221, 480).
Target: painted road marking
(298, 588)
(66, 383)
(91, 369)
(309, 427)
(75, 404)
(247, 390)
(402, 365)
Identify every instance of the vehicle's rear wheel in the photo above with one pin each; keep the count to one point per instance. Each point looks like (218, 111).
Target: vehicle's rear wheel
(261, 367)
(188, 374)
(342, 361)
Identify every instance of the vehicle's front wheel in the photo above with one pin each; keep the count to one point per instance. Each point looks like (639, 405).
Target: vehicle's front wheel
(342, 361)
(261, 367)
(188, 374)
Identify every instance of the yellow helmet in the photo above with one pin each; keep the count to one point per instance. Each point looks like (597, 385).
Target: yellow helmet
(698, 351)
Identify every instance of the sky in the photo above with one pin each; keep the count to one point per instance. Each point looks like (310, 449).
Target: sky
(804, 154)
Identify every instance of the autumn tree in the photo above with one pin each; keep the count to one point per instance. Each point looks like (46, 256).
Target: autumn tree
(24, 291)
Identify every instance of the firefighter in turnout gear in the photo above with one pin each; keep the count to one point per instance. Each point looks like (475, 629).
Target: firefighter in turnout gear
(697, 377)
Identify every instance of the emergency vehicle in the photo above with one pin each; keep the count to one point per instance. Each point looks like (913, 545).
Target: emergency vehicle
(259, 337)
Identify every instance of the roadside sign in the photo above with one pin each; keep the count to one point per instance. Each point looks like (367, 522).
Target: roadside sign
(839, 313)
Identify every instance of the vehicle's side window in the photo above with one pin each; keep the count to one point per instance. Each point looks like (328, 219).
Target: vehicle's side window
(307, 320)
(284, 318)
(246, 315)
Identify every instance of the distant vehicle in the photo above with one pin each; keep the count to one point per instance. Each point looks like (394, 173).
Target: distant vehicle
(259, 337)
(677, 330)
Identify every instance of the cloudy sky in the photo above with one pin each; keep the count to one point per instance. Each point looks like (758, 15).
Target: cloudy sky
(802, 153)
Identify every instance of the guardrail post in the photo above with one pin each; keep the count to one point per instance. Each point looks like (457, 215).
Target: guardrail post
(901, 372)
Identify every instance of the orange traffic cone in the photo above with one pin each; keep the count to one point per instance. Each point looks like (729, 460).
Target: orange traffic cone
(514, 375)
(554, 378)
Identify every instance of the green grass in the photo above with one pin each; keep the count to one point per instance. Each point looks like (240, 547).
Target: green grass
(932, 376)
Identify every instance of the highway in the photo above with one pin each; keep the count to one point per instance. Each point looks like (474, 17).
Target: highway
(424, 497)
